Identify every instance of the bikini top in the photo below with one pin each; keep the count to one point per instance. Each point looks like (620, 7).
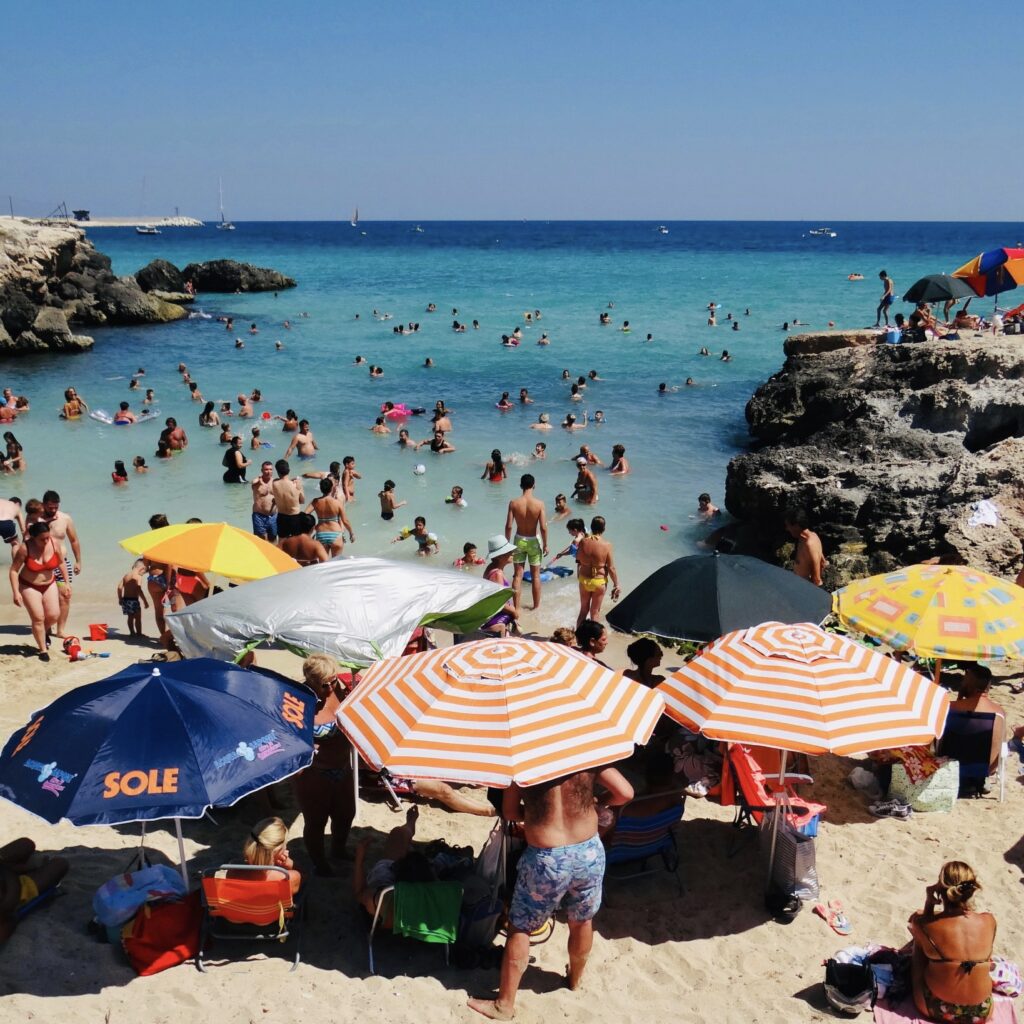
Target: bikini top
(965, 965)
(34, 565)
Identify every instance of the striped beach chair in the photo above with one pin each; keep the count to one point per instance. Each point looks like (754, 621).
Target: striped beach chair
(638, 837)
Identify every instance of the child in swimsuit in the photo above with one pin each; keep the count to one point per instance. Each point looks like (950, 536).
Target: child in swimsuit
(131, 596)
(387, 501)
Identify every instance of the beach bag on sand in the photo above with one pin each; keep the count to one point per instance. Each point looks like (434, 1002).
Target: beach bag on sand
(119, 899)
(849, 988)
(163, 935)
(936, 793)
(795, 870)
(483, 904)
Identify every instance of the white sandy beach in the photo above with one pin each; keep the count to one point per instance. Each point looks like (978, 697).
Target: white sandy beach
(710, 954)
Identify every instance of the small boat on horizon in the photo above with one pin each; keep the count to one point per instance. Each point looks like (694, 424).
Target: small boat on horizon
(355, 218)
(662, 230)
(225, 224)
(823, 232)
(418, 230)
(147, 229)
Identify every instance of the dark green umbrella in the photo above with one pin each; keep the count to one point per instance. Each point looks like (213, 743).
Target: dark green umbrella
(938, 288)
(703, 597)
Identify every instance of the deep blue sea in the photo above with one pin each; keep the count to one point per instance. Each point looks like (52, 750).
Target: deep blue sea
(678, 444)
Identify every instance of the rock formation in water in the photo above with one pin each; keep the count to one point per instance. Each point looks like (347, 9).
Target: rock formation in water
(51, 278)
(889, 449)
(229, 276)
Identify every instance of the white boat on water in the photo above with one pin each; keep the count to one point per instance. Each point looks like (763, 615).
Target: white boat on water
(418, 230)
(225, 224)
(662, 230)
(147, 229)
(823, 232)
(355, 218)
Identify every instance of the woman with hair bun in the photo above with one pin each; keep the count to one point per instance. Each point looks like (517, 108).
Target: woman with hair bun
(952, 952)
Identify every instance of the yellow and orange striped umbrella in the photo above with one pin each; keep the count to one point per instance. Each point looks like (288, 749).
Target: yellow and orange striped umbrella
(796, 687)
(212, 547)
(492, 712)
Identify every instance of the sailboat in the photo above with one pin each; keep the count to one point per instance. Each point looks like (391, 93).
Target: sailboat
(355, 218)
(224, 225)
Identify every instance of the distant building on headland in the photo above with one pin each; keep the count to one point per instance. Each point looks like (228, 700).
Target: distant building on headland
(80, 214)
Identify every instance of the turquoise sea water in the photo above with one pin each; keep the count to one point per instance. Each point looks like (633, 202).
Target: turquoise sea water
(679, 445)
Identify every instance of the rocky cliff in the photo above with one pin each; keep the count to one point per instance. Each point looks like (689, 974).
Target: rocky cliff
(51, 277)
(213, 276)
(889, 449)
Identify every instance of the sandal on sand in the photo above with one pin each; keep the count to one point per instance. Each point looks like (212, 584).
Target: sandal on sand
(834, 917)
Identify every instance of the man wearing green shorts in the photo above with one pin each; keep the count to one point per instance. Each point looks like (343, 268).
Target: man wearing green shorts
(528, 517)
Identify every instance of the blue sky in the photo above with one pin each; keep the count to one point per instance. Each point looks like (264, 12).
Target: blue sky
(415, 110)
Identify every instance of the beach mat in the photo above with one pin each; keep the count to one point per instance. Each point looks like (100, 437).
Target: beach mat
(905, 1012)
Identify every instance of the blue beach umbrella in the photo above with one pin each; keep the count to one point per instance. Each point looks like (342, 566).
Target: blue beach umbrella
(152, 742)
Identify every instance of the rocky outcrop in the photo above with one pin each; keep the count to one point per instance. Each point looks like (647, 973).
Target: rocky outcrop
(889, 449)
(160, 275)
(229, 276)
(51, 277)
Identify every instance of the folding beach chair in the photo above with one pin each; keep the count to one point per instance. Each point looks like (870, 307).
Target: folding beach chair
(968, 738)
(249, 909)
(425, 911)
(753, 797)
(639, 837)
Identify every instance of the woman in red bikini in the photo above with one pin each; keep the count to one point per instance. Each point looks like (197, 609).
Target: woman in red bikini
(32, 582)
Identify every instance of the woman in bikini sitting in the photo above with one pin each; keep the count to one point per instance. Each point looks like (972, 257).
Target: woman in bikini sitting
(33, 585)
(324, 789)
(952, 950)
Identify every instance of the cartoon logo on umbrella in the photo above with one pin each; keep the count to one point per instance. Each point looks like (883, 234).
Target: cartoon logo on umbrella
(258, 749)
(49, 776)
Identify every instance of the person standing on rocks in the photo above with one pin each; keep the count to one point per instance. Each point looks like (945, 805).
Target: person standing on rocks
(808, 559)
(888, 297)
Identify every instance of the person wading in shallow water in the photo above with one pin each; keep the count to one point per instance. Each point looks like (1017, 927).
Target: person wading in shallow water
(563, 866)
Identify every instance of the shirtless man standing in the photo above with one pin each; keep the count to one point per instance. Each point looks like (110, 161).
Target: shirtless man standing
(12, 521)
(290, 500)
(595, 566)
(809, 559)
(303, 441)
(62, 530)
(174, 435)
(264, 506)
(529, 517)
(563, 865)
(585, 489)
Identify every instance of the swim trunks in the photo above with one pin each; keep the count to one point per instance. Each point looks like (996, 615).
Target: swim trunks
(387, 516)
(131, 605)
(265, 526)
(591, 584)
(888, 300)
(64, 574)
(551, 877)
(8, 530)
(293, 525)
(527, 549)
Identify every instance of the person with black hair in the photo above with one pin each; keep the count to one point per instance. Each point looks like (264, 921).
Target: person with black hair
(808, 558)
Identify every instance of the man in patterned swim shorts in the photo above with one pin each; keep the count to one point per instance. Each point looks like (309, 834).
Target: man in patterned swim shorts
(563, 866)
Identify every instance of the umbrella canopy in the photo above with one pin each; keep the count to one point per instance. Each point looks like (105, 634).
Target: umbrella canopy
(700, 597)
(212, 547)
(796, 687)
(493, 712)
(158, 742)
(938, 288)
(993, 272)
(358, 610)
(937, 611)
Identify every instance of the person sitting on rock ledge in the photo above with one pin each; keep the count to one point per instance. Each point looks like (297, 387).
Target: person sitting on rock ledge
(808, 558)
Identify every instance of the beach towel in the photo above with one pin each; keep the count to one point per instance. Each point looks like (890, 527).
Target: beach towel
(428, 911)
(904, 1012)
(984, 513)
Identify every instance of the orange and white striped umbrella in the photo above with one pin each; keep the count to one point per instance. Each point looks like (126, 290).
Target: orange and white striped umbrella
(492, 712)
(796, 687)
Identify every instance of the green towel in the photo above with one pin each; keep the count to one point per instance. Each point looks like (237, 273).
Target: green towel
(428, 911)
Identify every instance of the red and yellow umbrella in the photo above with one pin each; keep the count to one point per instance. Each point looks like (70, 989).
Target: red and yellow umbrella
(796, 687)
(993, 272)
(212, 547)
(493, 712)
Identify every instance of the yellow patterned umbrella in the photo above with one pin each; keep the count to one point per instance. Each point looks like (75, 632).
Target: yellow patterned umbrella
(937, 611)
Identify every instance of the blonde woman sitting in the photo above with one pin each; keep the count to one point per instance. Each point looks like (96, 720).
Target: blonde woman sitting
(267, 845)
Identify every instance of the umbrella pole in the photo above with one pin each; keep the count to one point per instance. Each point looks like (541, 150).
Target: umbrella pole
(354, 759)
(937, 679)
(181, 851)
(777, 815)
